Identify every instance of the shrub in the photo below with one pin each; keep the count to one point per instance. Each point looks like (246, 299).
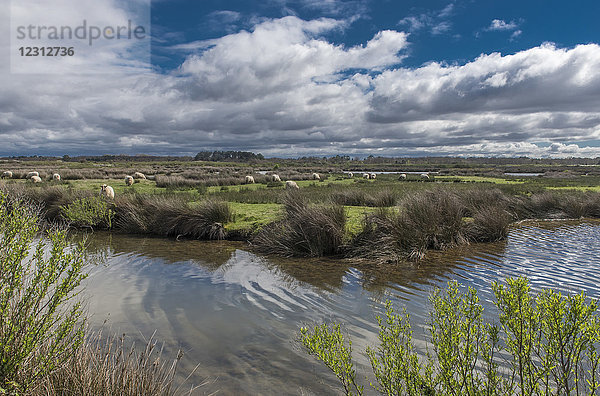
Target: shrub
(89, 212)
(43, 346)
(39, 328)
(543, 344)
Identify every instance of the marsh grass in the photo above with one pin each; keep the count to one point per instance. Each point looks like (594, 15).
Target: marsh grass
(427, 220)
(171, 216)
(305, 231)
(113, 366)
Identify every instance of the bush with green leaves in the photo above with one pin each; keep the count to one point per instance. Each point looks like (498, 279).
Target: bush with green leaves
(89, 212)
(545, 343)
(40, 323)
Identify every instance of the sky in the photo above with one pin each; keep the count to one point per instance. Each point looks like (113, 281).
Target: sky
(305, 77)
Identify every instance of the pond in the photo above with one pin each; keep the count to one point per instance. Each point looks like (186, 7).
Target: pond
(237, 314)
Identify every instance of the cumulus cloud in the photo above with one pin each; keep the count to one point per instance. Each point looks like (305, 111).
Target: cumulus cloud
(283, 89)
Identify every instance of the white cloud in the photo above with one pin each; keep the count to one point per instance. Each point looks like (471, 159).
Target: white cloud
(499, 24)
(435, 21)
(59, 23)
(283, 89)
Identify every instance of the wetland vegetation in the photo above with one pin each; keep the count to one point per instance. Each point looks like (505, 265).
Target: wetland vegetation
(389, 218)
(372, 222)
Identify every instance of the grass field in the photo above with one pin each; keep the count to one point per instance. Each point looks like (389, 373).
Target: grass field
(189, 192)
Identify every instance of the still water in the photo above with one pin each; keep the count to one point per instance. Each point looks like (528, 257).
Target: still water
(237, 314)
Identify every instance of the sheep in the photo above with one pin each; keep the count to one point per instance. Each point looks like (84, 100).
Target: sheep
(31, 174)
(275, 178)
(315, 176)
(366, 176)
(128, 180)
(373, 175)
(36, 179)
(402, 176)
(139, 175)
(56, 177)
(7, 175)
(424, 176)
(249, 180)
(107, 191)
(350, 175)
(291, 185)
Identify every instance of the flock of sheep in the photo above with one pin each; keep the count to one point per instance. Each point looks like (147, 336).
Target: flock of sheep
(32, 176)
(108, 192)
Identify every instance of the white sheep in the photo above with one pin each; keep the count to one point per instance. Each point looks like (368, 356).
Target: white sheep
(424, 176)
(56, 177)
(107, 191)
(373, 175)
(291, 185)
(350, 175)
(7, 175)
(249, 180)
(129, 180)
(402, 176)
(366, 176)
(275, 178)
(36, 179)
(139, 175)
(31, 174)
(315, 176)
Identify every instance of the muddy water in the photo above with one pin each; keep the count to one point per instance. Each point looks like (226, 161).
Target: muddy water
(237, 314)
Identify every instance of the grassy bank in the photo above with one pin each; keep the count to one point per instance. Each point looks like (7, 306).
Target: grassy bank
(387, 219)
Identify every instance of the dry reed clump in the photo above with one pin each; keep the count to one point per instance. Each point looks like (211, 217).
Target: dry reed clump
(171, 215)
(306, 230)
(489, 224)
(176, 182)
(583, 204)
(349, 197)
(427, 220)
(106, 366)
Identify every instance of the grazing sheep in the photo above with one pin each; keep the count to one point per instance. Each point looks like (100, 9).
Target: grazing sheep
(139, 175)
(291, 185)
(275, 178)
(7, 175)
(366, 176)
(31, 174)
(373, 175)
(36, 179)
(249, 180)
(129, 180)
(107, 191)
(56, 177)
(350, 175)
(402, 176)
(424, 176)
(315, 176)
